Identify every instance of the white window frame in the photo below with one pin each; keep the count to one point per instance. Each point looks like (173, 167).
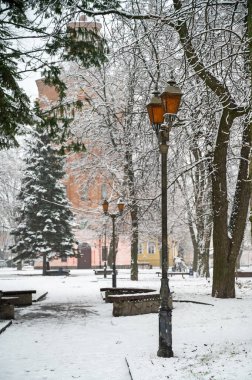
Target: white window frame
(140, 249)
(151, 248)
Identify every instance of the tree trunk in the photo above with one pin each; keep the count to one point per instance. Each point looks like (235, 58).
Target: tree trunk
(249, 23)
(134, 243)
(196, 251)
(205, 251)
(204, 270)
(110, 254)
(227, 239)
(134, 215)
(223, 271)
(44, 264)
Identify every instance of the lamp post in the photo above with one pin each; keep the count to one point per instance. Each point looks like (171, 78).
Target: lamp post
(104, 254)
(120, 205)
(162, 111)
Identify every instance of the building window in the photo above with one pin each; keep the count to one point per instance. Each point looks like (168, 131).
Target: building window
(64, 259)
(103, 191)
(83, 224)
(140, 249)
(84, 193)
(151, 248)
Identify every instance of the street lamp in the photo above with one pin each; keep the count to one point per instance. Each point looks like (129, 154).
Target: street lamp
(104, 253)
(120, 205)
(162, 111)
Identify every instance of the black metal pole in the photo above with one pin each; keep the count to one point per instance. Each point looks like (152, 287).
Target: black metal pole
(100, 252)
(113, 216)
(165, 312)
(105, 261)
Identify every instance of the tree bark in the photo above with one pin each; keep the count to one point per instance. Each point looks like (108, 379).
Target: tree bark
(134, 215)
(44, 264)
(249, 24)
(110, 254)
(222, 286)
(204, 270)
(134, 243)
(227, 239)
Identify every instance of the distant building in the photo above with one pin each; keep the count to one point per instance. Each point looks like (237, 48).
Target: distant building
(150, 252)
(86, 189)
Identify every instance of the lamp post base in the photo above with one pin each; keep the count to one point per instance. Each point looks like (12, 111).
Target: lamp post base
(165, 353)
(165, 333)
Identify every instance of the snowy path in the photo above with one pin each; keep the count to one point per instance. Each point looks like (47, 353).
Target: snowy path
(73, 335)
(66, 339)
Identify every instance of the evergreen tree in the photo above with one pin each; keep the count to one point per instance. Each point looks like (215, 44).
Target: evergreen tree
(44, 225)
(35, 36)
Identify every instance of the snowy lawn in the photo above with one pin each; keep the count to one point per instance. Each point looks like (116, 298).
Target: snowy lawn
(72, 334)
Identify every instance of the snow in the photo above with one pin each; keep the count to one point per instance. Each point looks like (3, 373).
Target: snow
(71, 334)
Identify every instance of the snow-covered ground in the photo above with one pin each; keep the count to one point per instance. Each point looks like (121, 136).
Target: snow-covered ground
(72, 334)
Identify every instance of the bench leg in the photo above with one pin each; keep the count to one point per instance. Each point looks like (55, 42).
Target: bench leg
(6, 311)
(24, 300)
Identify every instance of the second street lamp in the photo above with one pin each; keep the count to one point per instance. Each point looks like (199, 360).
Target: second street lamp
(113, 216)
(162, 111)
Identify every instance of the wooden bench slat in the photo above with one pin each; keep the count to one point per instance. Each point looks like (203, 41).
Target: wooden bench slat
(123, 291)
(133, 297)
(243, 274)
(174, 274)
(101, 271)
(10, 292)
(22, 297)
(8, 298)
(126, 290)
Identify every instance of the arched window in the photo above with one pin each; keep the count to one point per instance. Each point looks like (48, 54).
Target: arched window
(104, 191)
(84, 193)
(151, 248)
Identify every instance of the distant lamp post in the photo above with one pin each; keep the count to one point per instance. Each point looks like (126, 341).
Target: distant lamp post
(105, 252)
(120, 205)
(162, 111)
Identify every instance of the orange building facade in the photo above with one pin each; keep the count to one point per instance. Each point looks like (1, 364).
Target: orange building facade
(85, 190)
(85, 197)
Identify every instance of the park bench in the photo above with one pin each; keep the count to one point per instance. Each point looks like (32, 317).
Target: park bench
(243, 274)
(58, 272)
(174, 274)
(21, 297)
(121, 291)
(7, 307)
(134, 304)
(144, 265)
(101, 271)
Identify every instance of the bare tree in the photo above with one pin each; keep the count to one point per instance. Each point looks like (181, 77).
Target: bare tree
(10, 181)
(214, 39)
